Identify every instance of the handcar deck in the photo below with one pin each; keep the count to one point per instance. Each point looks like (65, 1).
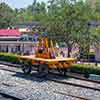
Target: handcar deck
(32, 57)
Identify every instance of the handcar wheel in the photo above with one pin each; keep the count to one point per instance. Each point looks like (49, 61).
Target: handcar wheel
(65, 72)
(61, 71)
(43, 70)
(86, 75)
(26, 68)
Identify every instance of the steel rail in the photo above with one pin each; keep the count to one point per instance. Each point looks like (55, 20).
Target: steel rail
(8, 96)
(73, 84)
(69, 83)
(70, 75)
(82, 78)
(74, 96)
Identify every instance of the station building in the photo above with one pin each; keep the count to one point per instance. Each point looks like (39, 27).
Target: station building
(10, 42)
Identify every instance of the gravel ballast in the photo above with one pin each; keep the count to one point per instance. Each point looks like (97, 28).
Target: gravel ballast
(31, 88)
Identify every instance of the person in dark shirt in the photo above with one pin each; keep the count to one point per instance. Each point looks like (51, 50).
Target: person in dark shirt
(62, 53)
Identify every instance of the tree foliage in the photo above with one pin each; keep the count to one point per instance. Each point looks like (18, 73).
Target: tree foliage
(72, 20)
(68, 18)
(6, 16)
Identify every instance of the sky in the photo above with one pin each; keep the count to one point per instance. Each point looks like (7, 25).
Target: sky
(20, 3)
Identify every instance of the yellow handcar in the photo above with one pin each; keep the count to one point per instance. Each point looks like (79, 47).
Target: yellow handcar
(45, 60)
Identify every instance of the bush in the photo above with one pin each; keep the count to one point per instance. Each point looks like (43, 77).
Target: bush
(9, 57)
(88, 57)
(91, 57)
(85, 69)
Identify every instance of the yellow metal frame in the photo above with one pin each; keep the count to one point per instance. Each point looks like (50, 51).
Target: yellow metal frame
(46, 58)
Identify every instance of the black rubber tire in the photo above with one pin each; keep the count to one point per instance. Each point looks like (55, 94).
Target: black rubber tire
(26, 68)
(43, 70)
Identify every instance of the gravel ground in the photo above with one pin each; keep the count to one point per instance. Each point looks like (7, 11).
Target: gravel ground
(31, 88)
(82, 82)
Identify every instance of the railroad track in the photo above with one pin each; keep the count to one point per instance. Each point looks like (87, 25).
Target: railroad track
(74, 96)
(73, 84)
(82, 78)
(53, 77)
(67, 83)
(4, 96)
(56, 78)
(70, 75)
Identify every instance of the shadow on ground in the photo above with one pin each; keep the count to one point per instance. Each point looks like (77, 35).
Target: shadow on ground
(36, 77)
(33, 77)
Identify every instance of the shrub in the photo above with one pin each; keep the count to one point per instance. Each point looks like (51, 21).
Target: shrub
(91, 56)
(9, 57)
(88, 57)
(85, 69)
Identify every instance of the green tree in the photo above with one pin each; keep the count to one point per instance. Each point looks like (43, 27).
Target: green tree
(6, 16)
(70, 20)
(31, 13)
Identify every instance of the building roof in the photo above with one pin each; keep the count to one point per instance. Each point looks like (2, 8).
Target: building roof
(9, 32)
(29, 25)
